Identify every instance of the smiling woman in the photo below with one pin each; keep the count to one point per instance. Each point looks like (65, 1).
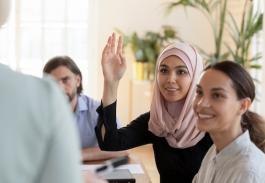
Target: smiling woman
(173, 79)
(217, 105)
(170, 126)
(224, 95)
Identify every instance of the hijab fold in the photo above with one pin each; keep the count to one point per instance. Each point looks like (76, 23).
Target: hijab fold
(176, 121)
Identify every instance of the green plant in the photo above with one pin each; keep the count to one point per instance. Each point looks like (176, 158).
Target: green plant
(147, 48)
(242, 37)
(208, 9)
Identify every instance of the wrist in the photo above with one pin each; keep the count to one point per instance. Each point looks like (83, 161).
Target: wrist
(109, 93)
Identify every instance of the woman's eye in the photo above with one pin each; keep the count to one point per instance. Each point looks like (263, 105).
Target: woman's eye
(198, 92)
(181, 72)
(217, 96)
(163, 70)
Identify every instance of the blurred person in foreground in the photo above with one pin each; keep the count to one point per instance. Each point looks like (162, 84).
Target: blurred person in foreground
(38, 145)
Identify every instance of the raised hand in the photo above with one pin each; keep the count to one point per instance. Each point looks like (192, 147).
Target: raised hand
(113, 62)
(113, 66)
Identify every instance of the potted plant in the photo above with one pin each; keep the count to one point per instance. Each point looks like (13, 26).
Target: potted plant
(240, 34)
(146, 49)
(208, 9)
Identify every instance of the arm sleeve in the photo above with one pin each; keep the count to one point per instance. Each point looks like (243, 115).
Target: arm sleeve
(133, 135)
(62, 157)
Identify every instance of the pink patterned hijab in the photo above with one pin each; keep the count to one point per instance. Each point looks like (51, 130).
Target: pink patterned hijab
(176, 121)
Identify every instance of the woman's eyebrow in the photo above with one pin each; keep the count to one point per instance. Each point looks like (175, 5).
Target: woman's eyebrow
(179, 66)
(163, 65)
(218, 89)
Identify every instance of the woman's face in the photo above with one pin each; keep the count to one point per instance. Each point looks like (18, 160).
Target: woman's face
(173, 79)
(216, 104)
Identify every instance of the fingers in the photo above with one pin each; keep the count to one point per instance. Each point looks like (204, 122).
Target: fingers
(119, 47)
(110, 47)
(107, 46)
(113, 39)
(122, 59)
(119, 51)
(113, 44)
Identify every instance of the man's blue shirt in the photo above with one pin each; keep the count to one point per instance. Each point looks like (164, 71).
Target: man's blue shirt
(86, 120)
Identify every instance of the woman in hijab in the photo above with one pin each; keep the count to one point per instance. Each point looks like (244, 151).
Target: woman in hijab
(170, 126)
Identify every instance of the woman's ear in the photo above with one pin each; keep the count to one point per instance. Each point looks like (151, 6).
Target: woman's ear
(244, 105)
(4, 11)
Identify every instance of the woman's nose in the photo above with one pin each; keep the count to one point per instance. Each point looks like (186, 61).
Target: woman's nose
(172, 77)
(203, 102)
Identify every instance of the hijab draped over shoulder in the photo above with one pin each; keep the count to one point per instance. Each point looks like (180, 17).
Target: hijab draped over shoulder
(176, 121)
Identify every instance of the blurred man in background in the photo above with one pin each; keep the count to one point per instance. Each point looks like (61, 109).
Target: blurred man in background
(65, 71)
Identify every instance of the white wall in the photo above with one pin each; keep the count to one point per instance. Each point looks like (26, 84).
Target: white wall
(140, 16)
(145, 15)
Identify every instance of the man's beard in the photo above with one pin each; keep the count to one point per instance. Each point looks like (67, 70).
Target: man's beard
(71, 96)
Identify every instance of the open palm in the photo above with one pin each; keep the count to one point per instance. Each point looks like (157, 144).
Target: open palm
(113, 62)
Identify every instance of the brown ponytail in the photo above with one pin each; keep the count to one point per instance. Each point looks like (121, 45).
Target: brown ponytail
(255, 124)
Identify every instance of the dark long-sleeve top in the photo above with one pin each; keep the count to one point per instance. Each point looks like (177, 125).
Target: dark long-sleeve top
(174, 165)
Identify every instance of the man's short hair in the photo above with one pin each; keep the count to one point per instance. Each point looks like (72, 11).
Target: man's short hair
(66, 61)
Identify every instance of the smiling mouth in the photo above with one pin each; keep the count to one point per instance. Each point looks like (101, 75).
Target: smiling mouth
(172, 89)
(205, 116)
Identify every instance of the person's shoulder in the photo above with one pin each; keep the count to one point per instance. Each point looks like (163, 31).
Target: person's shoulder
(89, 100)
(47, 88)
(255, 156)
(248, 174)
(26, 85)
(252, 160)
(37, 100)
(143, 117)
(46, 91)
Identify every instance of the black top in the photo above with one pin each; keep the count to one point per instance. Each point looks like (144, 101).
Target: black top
(174, 165)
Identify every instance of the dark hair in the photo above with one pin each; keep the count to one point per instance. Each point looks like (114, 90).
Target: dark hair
(244, 87)
(66, 61)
